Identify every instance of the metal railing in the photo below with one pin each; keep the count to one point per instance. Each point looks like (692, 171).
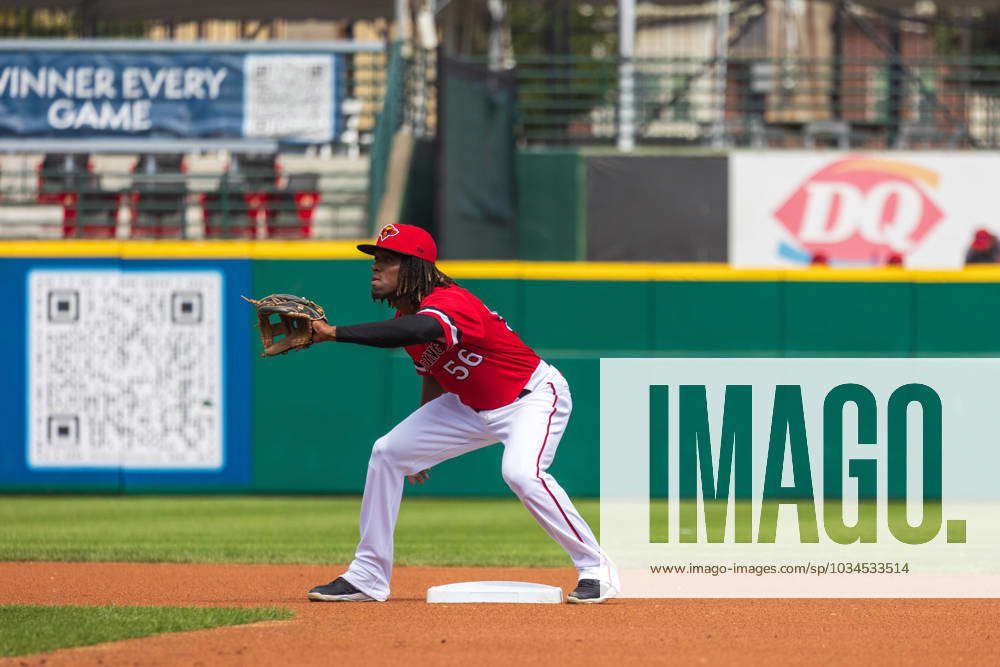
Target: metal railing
(786, 102)
(69, 196)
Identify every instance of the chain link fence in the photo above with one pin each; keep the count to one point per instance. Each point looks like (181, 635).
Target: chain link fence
(781, 73)
(776, 102)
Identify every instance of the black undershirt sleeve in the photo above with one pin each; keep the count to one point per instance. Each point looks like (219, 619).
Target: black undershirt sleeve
(400, 332)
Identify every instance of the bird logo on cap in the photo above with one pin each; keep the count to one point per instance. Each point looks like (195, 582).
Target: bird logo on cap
(387, 231)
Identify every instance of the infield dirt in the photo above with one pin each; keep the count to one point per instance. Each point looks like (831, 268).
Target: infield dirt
(406, 630)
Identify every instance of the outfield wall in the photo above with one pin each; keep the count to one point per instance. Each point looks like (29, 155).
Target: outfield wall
(305, 422)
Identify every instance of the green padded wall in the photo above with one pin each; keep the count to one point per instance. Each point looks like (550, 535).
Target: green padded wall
(609, 316)
(314, 412)
(957, 319)
(848, 319)
(712, 318)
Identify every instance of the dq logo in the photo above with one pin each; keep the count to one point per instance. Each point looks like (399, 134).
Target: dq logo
(387, 231)
(861, 209)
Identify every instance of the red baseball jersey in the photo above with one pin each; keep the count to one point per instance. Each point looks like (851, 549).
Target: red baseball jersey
(480, 358)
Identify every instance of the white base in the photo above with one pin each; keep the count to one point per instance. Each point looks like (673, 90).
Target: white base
(495, 591)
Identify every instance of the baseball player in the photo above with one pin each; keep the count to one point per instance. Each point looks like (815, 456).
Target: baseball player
(481, 385)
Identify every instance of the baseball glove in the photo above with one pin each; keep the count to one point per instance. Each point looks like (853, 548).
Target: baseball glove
(294, 326)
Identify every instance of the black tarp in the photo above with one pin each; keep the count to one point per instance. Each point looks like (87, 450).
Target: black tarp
(477, 205)
(657, 209)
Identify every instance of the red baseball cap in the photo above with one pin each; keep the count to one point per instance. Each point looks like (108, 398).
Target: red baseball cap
(982, 240)
(404, 239)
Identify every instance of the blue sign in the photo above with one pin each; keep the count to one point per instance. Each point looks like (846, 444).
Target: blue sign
(178, 95)
(146, 411)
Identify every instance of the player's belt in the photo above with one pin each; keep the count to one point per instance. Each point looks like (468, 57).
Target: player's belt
(524, 392)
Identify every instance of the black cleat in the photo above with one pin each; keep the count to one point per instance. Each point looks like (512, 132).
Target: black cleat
(591, 591)
(338, 590)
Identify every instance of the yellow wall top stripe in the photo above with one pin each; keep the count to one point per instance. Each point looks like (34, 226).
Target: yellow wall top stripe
(183, 249)
(485, 269)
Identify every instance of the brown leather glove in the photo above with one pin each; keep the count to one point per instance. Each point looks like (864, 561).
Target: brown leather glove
(294, 325)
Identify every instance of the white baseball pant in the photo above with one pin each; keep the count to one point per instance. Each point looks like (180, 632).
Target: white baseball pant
(529, 428)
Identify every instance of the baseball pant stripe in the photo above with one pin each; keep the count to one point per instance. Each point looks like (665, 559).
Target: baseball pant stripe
(538, 461)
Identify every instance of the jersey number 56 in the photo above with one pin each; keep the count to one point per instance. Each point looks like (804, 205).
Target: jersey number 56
(467, 358)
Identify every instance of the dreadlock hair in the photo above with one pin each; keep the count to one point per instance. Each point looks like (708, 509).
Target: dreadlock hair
(417, 279)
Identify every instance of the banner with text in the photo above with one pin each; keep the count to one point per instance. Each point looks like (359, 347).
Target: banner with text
(51, 94)
(920, 209)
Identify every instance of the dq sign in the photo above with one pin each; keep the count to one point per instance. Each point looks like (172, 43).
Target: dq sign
(862, 210)
(785, 208)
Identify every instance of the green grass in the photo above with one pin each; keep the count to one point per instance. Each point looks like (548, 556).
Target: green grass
(294, 530)
(26, 629)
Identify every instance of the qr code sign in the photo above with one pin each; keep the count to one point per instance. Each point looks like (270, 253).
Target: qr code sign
(289, 96)
(125, 369)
